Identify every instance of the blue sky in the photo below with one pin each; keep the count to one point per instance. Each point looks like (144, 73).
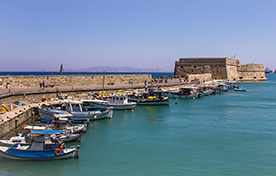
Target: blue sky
(42, 34)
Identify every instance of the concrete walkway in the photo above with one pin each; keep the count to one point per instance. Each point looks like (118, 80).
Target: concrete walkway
(16, 91)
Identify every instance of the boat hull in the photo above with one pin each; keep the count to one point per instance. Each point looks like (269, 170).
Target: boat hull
(171, 95)
(91, 115)
(36, 155)
(115, 106)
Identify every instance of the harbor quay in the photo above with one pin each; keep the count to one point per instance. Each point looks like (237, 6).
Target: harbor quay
(33, 94)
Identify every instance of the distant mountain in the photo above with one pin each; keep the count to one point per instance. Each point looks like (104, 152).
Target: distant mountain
(116, 69)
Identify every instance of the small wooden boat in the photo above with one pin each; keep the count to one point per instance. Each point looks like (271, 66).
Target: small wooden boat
(240, 89)
(60, 134)
(39, 149)
(59, 124)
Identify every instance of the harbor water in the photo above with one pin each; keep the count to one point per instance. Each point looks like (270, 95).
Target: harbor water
(233, 134)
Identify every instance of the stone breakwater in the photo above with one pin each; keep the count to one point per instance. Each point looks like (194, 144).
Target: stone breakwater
(70, 80)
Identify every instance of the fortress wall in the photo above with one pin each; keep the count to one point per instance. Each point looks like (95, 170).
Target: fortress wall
(223, 68)
(252, 67)
(200, 77)
(252, 72)
(232, 67)
(196, 66)
(70, 80)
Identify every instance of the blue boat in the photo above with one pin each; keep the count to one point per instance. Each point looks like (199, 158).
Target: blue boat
(39, 149)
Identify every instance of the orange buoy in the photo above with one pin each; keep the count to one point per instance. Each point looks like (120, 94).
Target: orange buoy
(58, 152)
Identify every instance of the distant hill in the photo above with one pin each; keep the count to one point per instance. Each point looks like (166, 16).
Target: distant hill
(116, 69)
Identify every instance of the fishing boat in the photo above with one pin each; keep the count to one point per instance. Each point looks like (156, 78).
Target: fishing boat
(184, 93)
(39, 149)
(152, 97)
(117, 102)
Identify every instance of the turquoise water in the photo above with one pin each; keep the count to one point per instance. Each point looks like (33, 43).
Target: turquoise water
(228, 134)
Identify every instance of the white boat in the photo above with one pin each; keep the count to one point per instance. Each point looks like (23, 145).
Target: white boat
(79, 114)
(184, 93)
(119, 102)
(74, 111)
(13, 140)
(50, 113)
(21, 138)
(240, 89)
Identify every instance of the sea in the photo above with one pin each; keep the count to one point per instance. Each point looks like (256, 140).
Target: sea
(229, 134)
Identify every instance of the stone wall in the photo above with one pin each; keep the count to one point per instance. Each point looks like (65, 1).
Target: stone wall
(218, 66)
(223, 68)
(252, 72)
(200, 77)
(69, 80)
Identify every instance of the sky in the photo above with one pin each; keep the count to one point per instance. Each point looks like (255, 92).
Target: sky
(39, 35)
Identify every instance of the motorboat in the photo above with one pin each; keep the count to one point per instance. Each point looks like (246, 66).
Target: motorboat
(117, 102)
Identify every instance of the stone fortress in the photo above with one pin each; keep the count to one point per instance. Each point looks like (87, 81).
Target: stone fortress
(218, 68)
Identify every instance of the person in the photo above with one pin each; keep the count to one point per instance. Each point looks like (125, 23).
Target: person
(43, 84)
(131, 81)
(40, 84)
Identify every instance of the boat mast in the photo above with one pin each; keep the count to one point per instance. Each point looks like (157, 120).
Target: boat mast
(103, 85)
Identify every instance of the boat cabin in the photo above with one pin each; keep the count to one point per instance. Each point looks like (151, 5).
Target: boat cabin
(118, 99)
(71, 106)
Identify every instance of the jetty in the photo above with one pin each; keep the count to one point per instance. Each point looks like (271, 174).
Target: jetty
(34, 94)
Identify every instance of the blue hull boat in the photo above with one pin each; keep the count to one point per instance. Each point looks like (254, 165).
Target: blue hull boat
(39, 149)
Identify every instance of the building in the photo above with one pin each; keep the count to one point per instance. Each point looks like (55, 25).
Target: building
(220, 68)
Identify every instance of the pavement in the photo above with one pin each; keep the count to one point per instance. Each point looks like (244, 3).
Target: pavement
(15, 91)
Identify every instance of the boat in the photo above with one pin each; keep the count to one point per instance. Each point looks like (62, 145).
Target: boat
(20, 138)
(46, 113)
(75, 112)
(62, 124)
(117, 102)
(63, 136)
(207, 90)
(39, 149)
(152, 97)
(240, 89)
(185, 93)
(80, 114)
(80, 128)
